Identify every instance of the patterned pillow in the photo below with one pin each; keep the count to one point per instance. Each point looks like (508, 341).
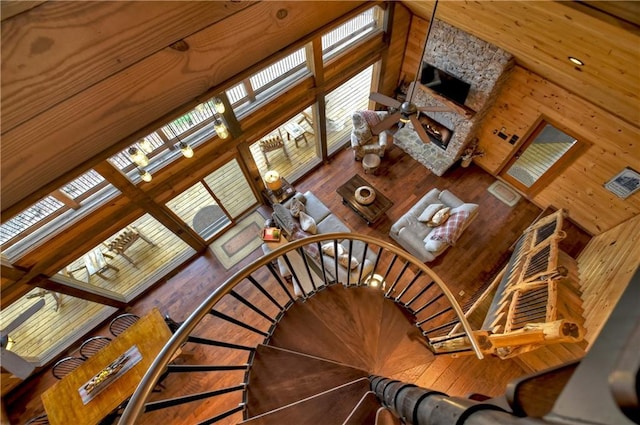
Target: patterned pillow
(452, 229)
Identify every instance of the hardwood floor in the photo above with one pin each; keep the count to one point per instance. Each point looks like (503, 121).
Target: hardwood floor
(464, 267)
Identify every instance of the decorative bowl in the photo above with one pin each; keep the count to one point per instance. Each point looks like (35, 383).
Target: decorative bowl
(365, 195)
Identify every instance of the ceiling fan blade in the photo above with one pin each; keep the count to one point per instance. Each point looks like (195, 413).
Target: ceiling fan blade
(23, 317)
(435, 109)
(385, 100)
(16, 365)
(386, 123)
(417, 125)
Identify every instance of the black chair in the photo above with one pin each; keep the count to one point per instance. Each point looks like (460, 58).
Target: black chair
(93, 345)
(41, 419)
(122, 322)
(65, 366)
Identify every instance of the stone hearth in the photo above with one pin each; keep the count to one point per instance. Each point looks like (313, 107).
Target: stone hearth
(482, 65)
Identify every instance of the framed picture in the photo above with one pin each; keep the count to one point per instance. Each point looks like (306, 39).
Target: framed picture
(624, 184)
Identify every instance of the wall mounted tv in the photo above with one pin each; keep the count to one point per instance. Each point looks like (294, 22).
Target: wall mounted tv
(444, 83)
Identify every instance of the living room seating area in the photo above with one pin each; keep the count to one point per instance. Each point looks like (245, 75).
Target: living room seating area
(426, 238)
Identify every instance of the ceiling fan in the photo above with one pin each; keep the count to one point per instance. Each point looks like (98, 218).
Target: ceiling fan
(405, 112)
(10, 361)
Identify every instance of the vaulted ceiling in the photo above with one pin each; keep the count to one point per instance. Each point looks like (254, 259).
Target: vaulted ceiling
(81, 80)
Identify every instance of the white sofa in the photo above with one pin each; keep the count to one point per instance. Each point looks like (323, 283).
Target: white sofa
(417, 237)
(326, 222)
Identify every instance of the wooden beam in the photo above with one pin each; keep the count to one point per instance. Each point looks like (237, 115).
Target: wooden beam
(44, 282)
(11, 272)
(140, 198)
(63, 136)
(51, 60)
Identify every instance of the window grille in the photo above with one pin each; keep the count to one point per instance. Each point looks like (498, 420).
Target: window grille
(347, 34)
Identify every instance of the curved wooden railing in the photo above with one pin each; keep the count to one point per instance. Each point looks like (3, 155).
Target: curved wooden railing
(401, 277)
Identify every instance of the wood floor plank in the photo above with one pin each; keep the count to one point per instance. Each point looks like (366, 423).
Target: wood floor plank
(280, 377)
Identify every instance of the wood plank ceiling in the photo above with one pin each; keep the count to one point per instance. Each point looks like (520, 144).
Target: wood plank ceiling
(82, 80)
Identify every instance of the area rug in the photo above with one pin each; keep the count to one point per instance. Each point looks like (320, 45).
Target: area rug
(504, 193)
(240, 241)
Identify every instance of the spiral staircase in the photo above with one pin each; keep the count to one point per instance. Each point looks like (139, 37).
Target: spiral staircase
(322, 358)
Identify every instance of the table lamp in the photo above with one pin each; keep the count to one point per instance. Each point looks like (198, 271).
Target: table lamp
(272, 181)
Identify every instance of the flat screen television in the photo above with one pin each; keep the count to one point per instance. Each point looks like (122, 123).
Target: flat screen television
(444, 83)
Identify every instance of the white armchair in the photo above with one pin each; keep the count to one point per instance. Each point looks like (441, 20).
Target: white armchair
(363, 141)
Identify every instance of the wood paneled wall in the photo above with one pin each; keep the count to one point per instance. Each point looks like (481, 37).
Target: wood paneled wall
(607, 264)
(542, 34)
(614, 145)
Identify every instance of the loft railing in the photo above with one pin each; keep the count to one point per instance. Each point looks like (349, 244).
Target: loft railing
(245, 310)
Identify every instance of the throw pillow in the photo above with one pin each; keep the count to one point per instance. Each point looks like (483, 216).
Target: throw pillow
(344, 261)
(295, 207)
(307, 223)
(329, 249)
(428, 212)
(439, 218)
(452, 229)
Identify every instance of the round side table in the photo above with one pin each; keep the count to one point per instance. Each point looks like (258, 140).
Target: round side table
(370, 163)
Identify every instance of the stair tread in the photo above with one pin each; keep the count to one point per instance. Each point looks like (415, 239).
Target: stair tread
(328, 408)
(364, 413)
(340, 328)
(354, 316)
(401, 341)
(279, 377)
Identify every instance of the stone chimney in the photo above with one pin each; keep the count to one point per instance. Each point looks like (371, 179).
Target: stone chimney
(472, 60)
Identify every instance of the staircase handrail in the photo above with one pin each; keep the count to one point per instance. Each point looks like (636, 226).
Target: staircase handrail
(136, 404)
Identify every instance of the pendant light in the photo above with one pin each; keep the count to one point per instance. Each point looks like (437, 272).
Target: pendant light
(145, 145)
(145, 175)
(221, 129)
(138, 157)
(186, 150)
(218, 105)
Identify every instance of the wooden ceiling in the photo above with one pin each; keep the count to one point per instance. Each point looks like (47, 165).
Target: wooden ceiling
(81, 80)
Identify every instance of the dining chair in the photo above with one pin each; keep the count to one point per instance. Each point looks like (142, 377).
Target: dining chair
(41, 419)
(65, 366)
(122, 322)
(93, 345)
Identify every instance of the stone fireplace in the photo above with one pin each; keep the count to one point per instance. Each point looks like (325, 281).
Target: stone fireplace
(474, 61)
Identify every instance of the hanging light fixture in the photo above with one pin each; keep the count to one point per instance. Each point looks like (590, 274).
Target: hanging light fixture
(144, 175)
(218, 105)
(221, 129)
(145, 145)
(186, 150)
(138, 157)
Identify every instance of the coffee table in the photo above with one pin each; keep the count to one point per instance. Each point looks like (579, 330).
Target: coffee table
(370, 213)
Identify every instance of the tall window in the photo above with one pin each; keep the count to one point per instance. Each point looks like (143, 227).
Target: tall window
(54, 212)
(341, 103)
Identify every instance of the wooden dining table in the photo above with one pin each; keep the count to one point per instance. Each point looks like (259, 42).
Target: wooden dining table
(63, 402)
